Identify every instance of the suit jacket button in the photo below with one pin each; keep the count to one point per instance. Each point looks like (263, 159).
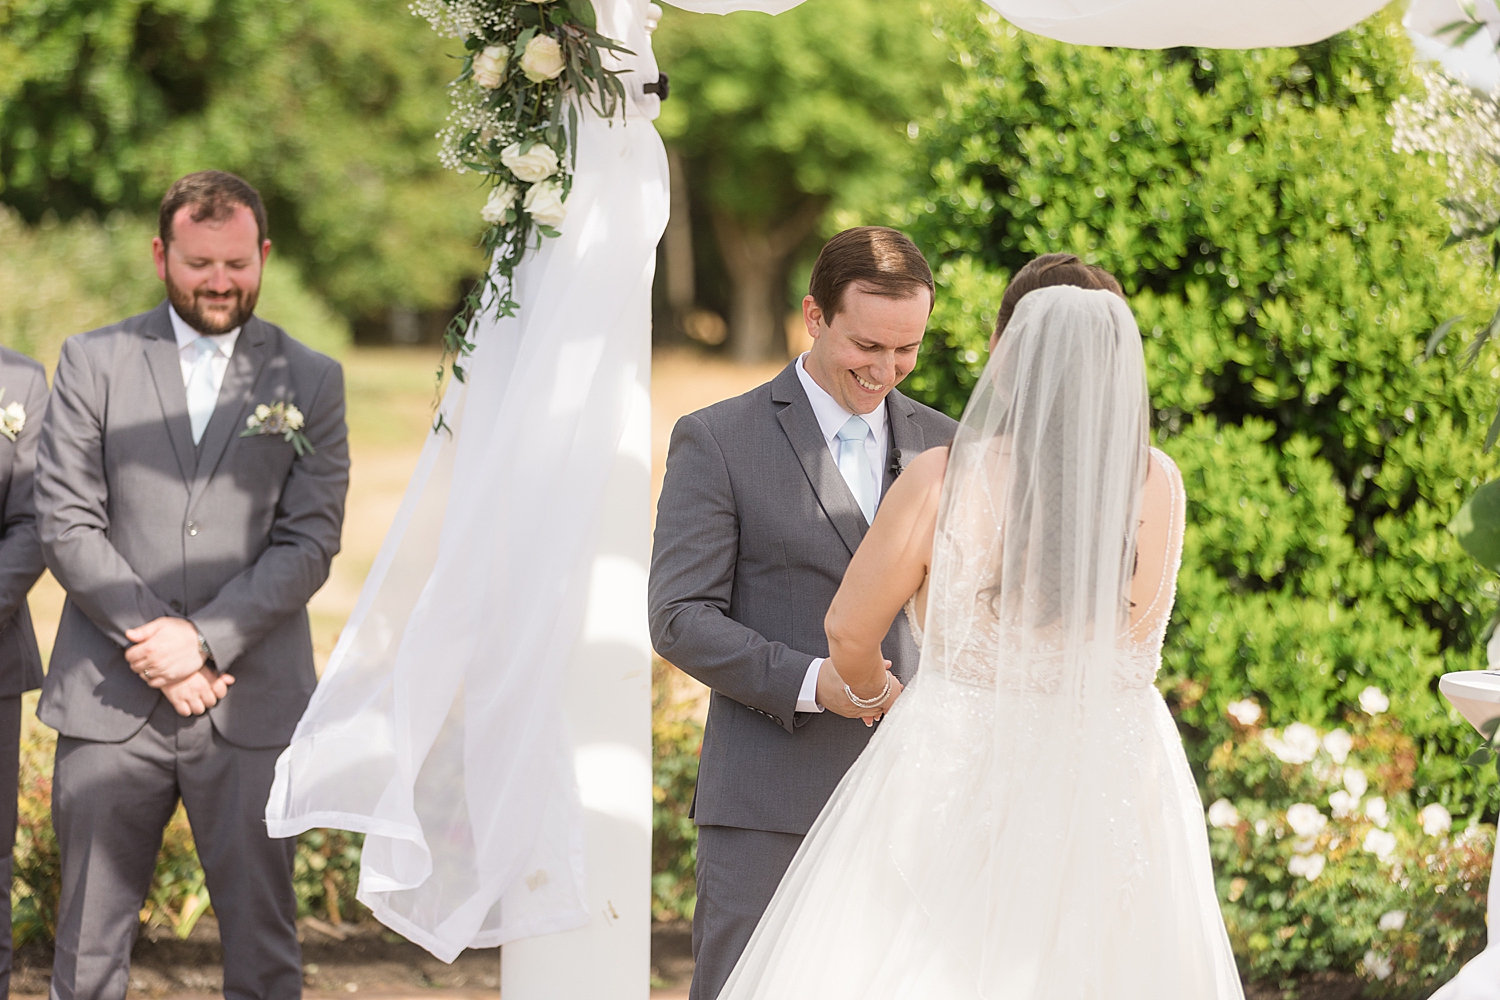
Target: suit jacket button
(177, 606)
(192, 528)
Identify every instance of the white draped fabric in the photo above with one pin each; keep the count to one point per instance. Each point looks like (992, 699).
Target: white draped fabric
(437, 727)
(1147, 24)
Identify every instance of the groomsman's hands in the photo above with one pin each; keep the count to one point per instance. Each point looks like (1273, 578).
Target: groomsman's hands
(199, 692)
(165, 652)
(833, 699)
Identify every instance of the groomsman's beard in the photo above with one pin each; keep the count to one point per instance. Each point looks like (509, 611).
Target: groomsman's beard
(190, 306)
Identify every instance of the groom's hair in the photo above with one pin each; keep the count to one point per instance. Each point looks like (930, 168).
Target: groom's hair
(1048, 270)
(882, 261)
(213, 195)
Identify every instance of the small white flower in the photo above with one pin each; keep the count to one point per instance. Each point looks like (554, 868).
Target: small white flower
(544, 203)
(1309, 866)
(1343, 804)
(1355, 781)
(1261, 826)
(1378, 965)
(1338, 744)
(1381, 843)
(1436, 820)
(536, 164)
(1373, 701)
(1246, 712)
(294, 418)
(1223, 815)
(543, 59)
(1393, 921)
(1305, 820)
(12, 418)
(502, 198)
(1376, 811)
(1297, 744)
(489, 66)
(262, 412)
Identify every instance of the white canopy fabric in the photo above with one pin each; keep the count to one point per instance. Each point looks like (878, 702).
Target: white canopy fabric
(1147, 24)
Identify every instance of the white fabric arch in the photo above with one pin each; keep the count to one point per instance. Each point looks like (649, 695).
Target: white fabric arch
(1147, 24)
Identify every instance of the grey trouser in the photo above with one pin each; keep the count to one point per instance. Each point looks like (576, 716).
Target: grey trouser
(10, 765)
(110, 803)
(738, 872)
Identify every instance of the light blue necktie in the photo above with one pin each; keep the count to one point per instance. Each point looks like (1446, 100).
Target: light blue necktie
(202, 397)
(854, 464)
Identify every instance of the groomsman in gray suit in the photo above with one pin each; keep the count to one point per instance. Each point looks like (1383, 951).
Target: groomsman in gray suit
(190, 488)
(23, 401)
(765, 500)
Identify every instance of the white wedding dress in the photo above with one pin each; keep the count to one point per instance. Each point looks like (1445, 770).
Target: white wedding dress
(1024, 823)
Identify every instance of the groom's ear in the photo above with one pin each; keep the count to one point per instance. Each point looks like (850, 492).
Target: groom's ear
(812, 315)
(159, 255)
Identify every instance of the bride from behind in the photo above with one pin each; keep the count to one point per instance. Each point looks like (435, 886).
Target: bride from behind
(1024, 825)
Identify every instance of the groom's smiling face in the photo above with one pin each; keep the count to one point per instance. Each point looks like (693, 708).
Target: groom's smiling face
(212, 267)
(864, 351)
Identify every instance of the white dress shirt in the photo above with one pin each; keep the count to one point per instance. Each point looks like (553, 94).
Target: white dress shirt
(831, 419)
(187, 349)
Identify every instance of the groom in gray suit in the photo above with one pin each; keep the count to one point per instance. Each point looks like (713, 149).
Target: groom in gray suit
(190, 488)
(765, 500)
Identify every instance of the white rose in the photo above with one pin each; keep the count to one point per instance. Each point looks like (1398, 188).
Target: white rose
(1343, 804)
(1436, 820)
(536, 164)
(1245, 712)
(502, 197)
(1355, 781)
(1378, 965)
(1376, 811)
(1298, 744)
(489, 66)
(1393, 921)
(1309, 866)
(1373, 701)
(1261, 826)
(544, 203)
(1338, 744)
(1381, 843)
(1305, 820)
(1223, 815)
(543, 59)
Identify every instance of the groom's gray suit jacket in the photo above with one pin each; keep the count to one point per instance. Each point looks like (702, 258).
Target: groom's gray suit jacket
(138, 523)
(754, 529)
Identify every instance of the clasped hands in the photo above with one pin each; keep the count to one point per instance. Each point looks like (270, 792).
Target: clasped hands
(166, 656)
(833, 697)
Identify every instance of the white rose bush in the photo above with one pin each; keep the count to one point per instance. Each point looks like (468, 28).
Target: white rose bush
(530, 67)
(1328, 859)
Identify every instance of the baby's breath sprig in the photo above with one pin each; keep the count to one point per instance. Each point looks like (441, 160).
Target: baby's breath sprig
(528, 67)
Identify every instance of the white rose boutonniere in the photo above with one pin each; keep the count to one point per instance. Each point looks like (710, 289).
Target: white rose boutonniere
(544, 203)
(536, 164)
(502, 199)
(489, 66)
(282, 419)
(12, 418)
(543, 59)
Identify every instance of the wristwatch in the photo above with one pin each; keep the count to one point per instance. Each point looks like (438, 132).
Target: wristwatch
(204, 651)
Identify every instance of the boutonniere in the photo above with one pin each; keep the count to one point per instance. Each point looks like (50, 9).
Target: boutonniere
(898, 462)
(12, 418)
(279, 418)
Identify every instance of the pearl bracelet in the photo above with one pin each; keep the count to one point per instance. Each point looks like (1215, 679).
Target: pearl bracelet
(875, 702)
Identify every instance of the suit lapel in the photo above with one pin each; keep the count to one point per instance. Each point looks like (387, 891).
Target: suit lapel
(160, 346)
(802, 430)
(235, 397)
(906, 441)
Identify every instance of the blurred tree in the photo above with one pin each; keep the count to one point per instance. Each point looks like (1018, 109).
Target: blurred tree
(1285, 266)
(777, 119)
(327, 106)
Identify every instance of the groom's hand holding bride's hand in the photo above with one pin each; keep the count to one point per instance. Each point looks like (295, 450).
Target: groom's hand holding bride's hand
(832, 697)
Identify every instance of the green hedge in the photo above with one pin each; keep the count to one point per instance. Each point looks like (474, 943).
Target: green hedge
(1286, 268)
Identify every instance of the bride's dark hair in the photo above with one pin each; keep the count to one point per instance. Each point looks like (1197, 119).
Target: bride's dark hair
(1053, 269)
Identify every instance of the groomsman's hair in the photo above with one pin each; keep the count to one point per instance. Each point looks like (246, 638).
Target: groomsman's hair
(883, 261)
(213, 194)
(1053, 269)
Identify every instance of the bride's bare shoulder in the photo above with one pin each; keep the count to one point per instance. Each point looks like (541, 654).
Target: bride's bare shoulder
(922, 479)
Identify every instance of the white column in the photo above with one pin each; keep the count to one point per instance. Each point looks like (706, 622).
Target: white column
(608, 708)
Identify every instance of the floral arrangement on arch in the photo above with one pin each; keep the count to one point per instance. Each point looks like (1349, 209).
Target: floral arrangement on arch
(1325, 861)
(528, 67)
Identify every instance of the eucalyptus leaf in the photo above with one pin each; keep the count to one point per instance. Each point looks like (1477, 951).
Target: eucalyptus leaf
(1488, 729)
(1438, 335)
(1479, 757)
(1483, 337)
(1477, 526)
(584, 11)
